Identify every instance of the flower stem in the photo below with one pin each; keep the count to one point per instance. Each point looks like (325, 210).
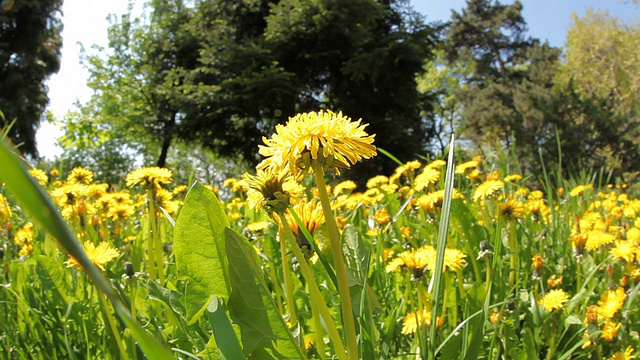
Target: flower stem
(286, 273)
(314, 291)
(338, 261)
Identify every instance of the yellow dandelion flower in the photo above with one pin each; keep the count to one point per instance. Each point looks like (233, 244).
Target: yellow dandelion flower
(494, 175)
(611, 302)
(387, 253)
(40, 176)
(627, 354)
(99, 255)
(394, 265)
(24, 238)
(416, 260)
(580, 189)
(121, 212)
(311, 216)
(633, 235)
(164, 199)
(258, 226)
(610, 330)
(538, 266)
(179, 190)
(433, 200)
(462, 168)
(270, 190)
(406, 169)
(5, 209)
(554, 299)
(381, 216)
(331, 139)
(406, 232)
(487, 189)
(536, 195)
(454, 260)
(554, 281)
(413, 320)
(345, 186)
(625, 250)
(436, 164)
(377, 181)
(512, 209)
(233, 184)
(428, 177)
(149, 176)
(597, 238)
(80, 175)
(512, 178)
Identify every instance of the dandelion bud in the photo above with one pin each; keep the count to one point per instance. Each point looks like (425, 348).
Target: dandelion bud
(128, 269)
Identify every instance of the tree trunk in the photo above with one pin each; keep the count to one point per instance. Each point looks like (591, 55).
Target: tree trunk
(166, 141)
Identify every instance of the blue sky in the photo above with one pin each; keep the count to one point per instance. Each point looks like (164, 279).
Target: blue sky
(85, 22)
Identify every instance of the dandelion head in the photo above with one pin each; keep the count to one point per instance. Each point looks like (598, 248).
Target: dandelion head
(326, 138)
(80, 175)
(554, 299)
(149, 177)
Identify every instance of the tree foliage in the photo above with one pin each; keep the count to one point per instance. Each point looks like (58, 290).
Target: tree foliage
(222, 74)
(507, 95)
(30, 46)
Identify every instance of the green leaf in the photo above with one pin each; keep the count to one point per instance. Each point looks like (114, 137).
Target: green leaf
(225, 337)
(264, 332)
(51, 275)
(200, 250)
(356, 257)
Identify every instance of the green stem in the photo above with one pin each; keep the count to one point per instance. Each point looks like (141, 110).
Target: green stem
(156, 240)
(286, 273)
(314, 291)
(348, 322)
(318, 330)
(112, 326)
(133, 285)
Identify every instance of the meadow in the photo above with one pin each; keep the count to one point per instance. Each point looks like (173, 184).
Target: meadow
(436, 260)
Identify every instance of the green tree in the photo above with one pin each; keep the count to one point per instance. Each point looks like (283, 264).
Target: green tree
(284, 57)
(30, 46)
(508, 94)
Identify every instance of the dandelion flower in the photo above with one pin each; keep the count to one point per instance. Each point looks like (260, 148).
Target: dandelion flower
(462, 168)
(487, 189)
(99, 255)
(149, 176)
(512, 209)
(580, 189)
(610, 330)
(428, 177)
(381, 216)
(270, 190)
(39, 175)
(311, 216)
(625, 250)
(627, 354)
(611, 302)
(331, 139)
(80, 175)
(414, 319)
(597, 238)
(345, 186)
(554, 299)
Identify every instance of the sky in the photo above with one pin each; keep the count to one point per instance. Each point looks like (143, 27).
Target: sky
(85, 22)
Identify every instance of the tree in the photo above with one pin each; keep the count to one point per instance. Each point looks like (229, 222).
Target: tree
(30, 46)
(277, 58)
(508, 94)
(135, 106)
(600, 59)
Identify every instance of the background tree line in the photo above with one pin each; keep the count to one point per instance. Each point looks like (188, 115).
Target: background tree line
(207, 80)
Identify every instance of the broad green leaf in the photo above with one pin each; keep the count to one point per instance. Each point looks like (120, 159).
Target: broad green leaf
(26, 189)
(264, 332)
(200, 250)
(50, 273)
